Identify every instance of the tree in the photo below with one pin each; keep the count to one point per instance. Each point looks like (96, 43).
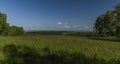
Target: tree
(117, 14)
(99, 27)
(6, 30)
(105, 25)
(3, 25)
(110, 23)
(16, 31)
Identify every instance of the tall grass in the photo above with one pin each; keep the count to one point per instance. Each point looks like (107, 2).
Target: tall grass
(105, 50)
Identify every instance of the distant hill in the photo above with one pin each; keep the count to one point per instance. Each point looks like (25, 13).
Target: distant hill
(66, 33)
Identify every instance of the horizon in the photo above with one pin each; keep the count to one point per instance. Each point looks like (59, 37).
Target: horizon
(57, 15)
(55, 31)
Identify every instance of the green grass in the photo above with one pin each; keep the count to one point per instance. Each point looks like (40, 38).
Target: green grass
(102, 49)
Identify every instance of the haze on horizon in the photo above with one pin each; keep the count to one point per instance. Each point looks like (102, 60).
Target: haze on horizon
(75, 15)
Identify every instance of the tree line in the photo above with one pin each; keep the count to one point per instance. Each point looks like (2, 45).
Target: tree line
(6, 29)
(108, 24)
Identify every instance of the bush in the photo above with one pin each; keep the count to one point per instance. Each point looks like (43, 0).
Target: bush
(16, 31)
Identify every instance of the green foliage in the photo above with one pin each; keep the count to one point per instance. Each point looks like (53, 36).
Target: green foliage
(105, 24)
(117, 13)
(5, 29)
(99, 25)
(16, 31)
(108, 24)
(4, 26)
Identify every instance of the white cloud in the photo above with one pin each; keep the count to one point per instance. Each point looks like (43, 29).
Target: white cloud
(66, 23)
(74, 26)
(59, 23)
(66, 26)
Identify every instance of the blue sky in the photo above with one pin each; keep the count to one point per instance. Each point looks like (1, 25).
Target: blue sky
(77, 15)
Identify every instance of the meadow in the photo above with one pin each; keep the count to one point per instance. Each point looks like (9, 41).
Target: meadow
(97, 50)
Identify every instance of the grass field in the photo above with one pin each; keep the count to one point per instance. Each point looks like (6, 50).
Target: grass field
(101, 49)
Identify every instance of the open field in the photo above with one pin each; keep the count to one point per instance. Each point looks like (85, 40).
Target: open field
(100, 49)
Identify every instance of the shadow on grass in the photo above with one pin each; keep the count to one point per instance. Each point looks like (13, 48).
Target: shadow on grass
(105, 39)
(26, 55)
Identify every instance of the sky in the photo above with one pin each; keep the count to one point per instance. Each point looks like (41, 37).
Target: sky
(70, 15)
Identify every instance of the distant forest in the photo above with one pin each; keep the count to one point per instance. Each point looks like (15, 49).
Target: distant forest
(63, 33)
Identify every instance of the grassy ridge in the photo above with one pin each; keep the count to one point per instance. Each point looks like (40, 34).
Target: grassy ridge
(102, 49)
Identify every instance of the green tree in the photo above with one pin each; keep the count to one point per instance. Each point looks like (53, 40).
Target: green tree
(6, 30)
(110, 23)
(117, 14)
(3, 24)
(16, 31)
(99, 26)
(105, 25)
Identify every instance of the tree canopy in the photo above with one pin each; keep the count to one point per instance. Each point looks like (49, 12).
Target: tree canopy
(108, 24)
(6, 30)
